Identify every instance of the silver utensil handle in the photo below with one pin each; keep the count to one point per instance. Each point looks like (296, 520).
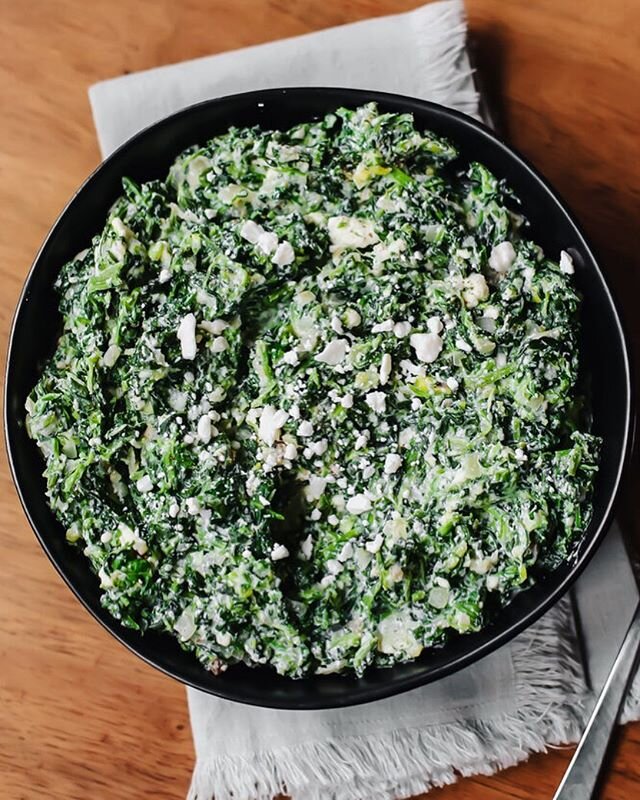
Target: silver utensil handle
(580, 781)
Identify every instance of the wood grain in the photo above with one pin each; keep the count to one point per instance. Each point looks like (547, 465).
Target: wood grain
(79, 716)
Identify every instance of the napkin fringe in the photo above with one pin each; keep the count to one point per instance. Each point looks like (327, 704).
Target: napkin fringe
(631, 711)
(631, 708)
(405, 762)
(444, 63)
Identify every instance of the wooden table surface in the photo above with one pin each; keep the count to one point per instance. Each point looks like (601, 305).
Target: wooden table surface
(80, 717)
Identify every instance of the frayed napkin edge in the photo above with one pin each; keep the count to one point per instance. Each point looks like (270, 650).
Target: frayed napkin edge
(440, 27)
(551, 695)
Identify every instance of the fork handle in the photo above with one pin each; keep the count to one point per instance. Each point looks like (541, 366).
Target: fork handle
(581, 780)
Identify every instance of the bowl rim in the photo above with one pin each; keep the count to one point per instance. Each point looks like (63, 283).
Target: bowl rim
(590, 545)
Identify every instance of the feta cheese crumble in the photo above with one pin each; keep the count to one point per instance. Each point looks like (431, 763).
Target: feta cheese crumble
(358, 504)
(187, 337)
(376, 401)
(333, 352)
(392, 463)
(351, 232)
(279, 552)
(271, 421)
(427, 346)
(502, 257)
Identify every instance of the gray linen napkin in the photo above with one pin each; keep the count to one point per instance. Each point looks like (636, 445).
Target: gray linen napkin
(420, 54)
(533, 692)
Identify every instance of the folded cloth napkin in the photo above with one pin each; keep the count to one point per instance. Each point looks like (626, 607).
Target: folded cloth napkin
(420, 54)
(535, 691)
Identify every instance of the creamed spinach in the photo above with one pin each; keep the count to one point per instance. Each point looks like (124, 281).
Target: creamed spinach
(315, 403)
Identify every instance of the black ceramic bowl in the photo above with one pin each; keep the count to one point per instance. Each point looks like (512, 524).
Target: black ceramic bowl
(149, 155)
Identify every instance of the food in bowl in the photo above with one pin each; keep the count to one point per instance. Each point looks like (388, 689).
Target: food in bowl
(316, 402)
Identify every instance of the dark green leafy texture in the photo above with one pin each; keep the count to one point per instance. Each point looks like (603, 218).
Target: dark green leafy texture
(374, 438)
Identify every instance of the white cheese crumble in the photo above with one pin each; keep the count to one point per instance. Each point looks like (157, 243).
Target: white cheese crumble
(271, 421)
(193, 506)
(384, 251)
(376, 401)
(229, 192)
(502, 257)
(385, 369)
(267, 242)
(352, 318)
(346, 552)
(383, 327)
(315, 489)
(520, 455)
(392, 463)
(185, 625)
(279, 552)
(396, 635)
(204, 429)
(140, 546)
(144, 484)
(333, 352)
(566, 263)
(223, 639)
(251, 231)
(409, 367)
(284, 255)
(438, 597)
(291, 358)
(401, 329)
(290, 452)
(351, 232)
(390, 204)
(452, 383)
(219, 345)
(427, 346)
(319, 448)
(215, 326)
(111, 355)
(187, 336)
(306, 547)
(334, 567)
(358, 504)
(305, 428)
(405, 436)
(476, 290)
(374, 545)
